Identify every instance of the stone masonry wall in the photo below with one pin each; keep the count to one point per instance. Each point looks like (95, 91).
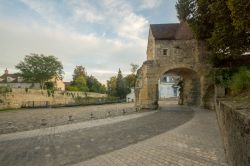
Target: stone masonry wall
(234, 123)
(17, 97)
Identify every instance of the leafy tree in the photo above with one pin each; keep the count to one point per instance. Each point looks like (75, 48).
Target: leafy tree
(184, 8)
(130, 80)
(79, 82)
(50, 85)
(111, 86)
(240, 81)
(40, 68)
(134, 68)
(79, 71)
(240, 14)
(94, 85)
(120, 85)
(218, 23)
(72, 88)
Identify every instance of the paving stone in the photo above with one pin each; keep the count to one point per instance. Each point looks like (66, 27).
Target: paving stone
(172, 136)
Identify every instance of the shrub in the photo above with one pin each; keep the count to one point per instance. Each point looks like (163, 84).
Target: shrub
(72, 88)
(240, 81)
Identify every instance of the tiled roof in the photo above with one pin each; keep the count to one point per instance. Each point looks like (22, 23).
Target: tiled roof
(3, 78)
(175, 31)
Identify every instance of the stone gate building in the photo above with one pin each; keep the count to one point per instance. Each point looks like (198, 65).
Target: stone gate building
(172, 48)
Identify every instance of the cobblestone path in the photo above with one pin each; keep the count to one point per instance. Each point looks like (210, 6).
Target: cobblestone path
(171, 136)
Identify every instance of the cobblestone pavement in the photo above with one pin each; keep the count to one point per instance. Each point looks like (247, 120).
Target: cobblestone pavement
(29, 119)
(171, 136)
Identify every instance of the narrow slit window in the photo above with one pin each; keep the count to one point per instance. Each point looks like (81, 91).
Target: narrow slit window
(165, 51)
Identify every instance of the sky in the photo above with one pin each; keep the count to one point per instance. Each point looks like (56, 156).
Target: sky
(101, 35)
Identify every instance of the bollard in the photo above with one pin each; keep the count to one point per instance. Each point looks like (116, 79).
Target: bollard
(9, 124)
(91, 115)
(70, 118)
(43, 122)
(108, 114)
(123, 111)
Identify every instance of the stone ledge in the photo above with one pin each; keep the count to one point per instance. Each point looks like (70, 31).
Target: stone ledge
(234, 122)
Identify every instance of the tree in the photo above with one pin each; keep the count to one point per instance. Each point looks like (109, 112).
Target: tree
(94, 85)
(120, 86)
(130, 80)
(185, 9)
(134, 68)
(218, 23)
(40, 68)
(240, 14)
(80, 79)
(111, 86)
(79, 71)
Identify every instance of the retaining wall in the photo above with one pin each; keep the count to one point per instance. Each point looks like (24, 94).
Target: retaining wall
(234, 123)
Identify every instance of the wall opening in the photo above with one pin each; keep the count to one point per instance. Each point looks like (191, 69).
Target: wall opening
(180, 86)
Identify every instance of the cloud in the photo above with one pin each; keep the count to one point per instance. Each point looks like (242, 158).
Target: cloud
(132, 26)
(102, 35)
(150, 4)
(85, 11)
(101, 56)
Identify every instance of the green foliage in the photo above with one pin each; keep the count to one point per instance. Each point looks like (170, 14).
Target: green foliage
(40, 68)
(223, 24)
(79, 71)
(94, 85)
(120, 86)
(48, 92)
(223, 77)
(26, 90)
(134, 68)
(5, 89)
(80, 83)
(130, 81)
(72, 88)
(240, 13)
(111, 86)
(240, 81)
(50, 85)
(80, 79)
(184, 9)
(83, 82)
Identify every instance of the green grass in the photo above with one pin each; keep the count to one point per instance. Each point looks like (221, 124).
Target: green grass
(9, 109)
(242, 98)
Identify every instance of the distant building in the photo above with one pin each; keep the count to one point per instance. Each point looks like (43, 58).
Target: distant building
(168, 86)
(131, 96)
(58, 82)
(16, 81)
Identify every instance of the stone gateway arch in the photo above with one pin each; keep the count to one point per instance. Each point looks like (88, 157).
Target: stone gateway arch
(172, 48)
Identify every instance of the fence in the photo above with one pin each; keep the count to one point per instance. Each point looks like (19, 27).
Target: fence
(78, 102)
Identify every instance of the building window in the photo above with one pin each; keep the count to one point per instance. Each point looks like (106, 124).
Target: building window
(165, 51)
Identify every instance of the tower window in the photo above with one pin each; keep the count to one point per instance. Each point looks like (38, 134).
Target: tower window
(165, 51)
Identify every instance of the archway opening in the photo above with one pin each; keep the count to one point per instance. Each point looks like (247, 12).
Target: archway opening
(179, 86)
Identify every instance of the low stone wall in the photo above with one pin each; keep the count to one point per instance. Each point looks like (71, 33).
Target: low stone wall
(19, 97)
(234, 122)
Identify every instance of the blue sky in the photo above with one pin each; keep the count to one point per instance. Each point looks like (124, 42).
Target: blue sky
(101, 35)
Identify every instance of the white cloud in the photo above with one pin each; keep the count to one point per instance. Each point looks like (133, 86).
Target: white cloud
(102, 57)
(85, 11)
(150, 4)
(101, 54)
(133, 26)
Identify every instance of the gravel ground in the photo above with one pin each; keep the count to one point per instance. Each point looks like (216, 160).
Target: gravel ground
(29, 119)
